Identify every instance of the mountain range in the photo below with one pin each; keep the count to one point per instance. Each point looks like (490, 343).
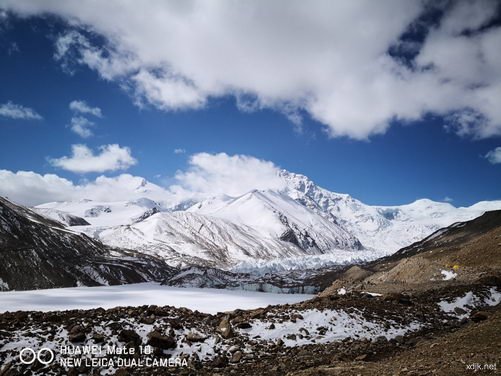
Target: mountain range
(298, 226)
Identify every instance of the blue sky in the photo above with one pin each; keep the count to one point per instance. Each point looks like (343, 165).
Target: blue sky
(410, 159)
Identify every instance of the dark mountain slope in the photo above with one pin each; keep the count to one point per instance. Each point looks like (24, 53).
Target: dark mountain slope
(37, 252)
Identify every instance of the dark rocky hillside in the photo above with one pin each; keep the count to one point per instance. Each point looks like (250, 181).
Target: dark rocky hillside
(37, 252)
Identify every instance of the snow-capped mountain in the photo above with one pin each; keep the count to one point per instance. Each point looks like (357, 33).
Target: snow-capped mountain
(223, 232)
(384, 228)
(63, 217)
(297, 226)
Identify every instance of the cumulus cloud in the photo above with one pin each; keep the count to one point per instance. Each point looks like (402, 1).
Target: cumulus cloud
(16, 111)
(81, 126)
(327, 59)
(207, 175)
(83, 160)
(215, 174)
(323, 58)
(30, 188)
(83, 108)
(494, 156)
(179, 151)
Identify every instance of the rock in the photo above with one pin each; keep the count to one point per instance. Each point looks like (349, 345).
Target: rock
(76, 329)
(77, 337)
(98, 338)
(322, 330)
(225, 328)
(258, 312)
(459, 311)
(148, 320)
(219, 362)
(272, 326)
(361, 357)
(244, 325)
(404, 299)
(175, 324)
(236, 357)
(399, 339)
(479, 316)
(400, 298)
(381, 339)
(195, 337)
(233, 348)
(129, 336)
(163, 342)
(411, 341)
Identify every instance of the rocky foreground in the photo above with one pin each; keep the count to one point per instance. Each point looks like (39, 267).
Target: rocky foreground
(347, 333)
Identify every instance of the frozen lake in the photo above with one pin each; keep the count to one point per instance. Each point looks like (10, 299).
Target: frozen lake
(203, 300)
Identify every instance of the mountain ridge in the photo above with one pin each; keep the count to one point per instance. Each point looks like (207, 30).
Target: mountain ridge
(282, 228)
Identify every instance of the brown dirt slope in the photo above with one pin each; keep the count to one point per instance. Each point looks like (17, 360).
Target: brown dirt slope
(468, 251)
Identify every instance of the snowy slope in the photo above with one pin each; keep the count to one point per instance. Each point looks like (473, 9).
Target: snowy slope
(184, 237)
(275, 215)
(61, 216)
(300, 226)
(103, 213)
(383, 228)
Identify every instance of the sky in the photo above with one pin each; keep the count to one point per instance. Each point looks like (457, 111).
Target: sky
(388, 102)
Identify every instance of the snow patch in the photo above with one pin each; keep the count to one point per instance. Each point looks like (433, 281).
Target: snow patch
(324, 326)
(448, 275)
(463, 305)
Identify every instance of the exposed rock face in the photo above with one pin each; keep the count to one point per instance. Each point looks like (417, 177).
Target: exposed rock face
(37, 252)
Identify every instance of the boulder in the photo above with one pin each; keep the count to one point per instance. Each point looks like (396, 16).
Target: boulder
(129, 336)
(224, 328)
(160, 341)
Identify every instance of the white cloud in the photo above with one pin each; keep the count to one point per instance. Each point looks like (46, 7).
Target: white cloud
(30, 188)
(83, 108)
(179, 151)
(215, 174)
(494, 156)
(81, 126)
(323, 58)
(83, 160)
(207, 175)
(166, 92)
(16, 111)
(448, 199)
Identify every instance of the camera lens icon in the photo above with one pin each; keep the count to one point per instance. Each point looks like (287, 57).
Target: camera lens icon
(44, 355)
